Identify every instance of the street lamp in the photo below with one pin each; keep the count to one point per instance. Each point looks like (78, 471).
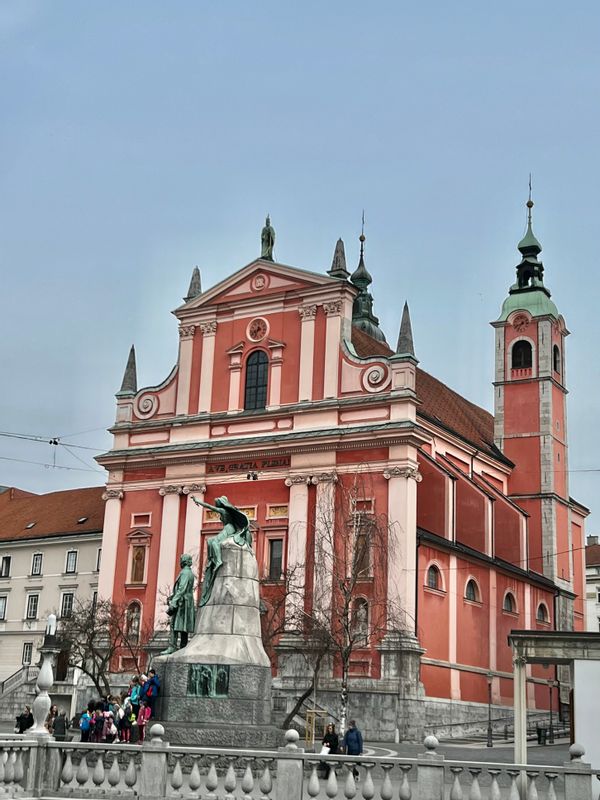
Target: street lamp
(490, 678)
(551, 685)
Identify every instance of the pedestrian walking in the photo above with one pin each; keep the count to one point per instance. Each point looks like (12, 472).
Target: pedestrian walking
(353, 743)
(329, 746)
(135, 694)
(151, 690)
(85, 724)
(60, 726)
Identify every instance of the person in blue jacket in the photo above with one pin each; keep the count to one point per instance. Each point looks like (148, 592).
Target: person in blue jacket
(353, 742)
(150, 690)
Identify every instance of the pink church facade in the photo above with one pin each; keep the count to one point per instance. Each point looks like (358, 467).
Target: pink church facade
(284, 388)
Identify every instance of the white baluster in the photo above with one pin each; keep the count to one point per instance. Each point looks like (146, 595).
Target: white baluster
(9, 769)
(551, 776)
(19, 769)
(230, 782)
(514, 786)
(68, 773)
(98, 773)
(194, 781)
(265, 784)
(475, 792)
(368, 790)
(331, 787)
(131, 773)
(350, 783)
(212, 779)
(313, 787)
(532, 792)
(494, 788)
(177, 777)
(248, 780)
(456, 793)
(114, 773)
(82, 775)
(405, 792)
(386, 787)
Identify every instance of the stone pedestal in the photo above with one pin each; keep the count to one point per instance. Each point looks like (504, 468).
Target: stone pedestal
(217, 690)
(401, 661)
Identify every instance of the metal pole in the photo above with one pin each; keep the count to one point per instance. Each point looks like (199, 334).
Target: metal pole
(551, 731)
(489, 728)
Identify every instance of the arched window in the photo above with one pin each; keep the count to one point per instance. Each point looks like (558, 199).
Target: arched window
(556, 358)
(542, 613)
(134, 613)
(434, 579)
(509, 603)
(472, 591)
(257, 374)
(360, 621)
(522, 357)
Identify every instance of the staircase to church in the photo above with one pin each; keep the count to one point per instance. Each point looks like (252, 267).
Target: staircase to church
(17, 691)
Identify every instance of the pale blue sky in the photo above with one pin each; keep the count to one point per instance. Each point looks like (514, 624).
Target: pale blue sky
(138, 139)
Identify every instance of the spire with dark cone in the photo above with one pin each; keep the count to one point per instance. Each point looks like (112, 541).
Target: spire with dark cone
(195, 286)
(405, 346)
(362, 309)
(129, 385)
(338, 265)
(530, 272)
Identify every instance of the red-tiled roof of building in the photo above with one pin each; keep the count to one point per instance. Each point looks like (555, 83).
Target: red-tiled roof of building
(54, 514)
(592, 555)
(439, 404)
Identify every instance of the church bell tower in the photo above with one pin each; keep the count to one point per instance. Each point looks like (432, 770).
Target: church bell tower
(530, 416)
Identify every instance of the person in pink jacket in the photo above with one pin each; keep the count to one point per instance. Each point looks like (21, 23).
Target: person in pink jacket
(142, 718)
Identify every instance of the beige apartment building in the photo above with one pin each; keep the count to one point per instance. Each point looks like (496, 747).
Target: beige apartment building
(50, 551)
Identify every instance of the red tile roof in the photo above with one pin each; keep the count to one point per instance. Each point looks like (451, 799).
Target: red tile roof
(440, 404)
(54, 514)
(592, 555)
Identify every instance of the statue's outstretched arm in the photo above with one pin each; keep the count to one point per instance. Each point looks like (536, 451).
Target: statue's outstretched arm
(205, 505)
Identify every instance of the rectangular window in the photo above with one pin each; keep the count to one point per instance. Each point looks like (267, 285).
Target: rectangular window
(71, 566)
(138, 563)
(598, 594)
(140, 520)
(66, 604)
(36, 564)
(32, 606)
(27, 652)
(3, 601)
(5, 567)
(275, 559)
(94, 600)
(98, 559)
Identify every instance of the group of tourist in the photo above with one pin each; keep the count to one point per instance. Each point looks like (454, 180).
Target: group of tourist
(122, 718)
(351, 744)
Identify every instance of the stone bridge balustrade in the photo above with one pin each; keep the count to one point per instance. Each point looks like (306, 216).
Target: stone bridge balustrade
(42, 768)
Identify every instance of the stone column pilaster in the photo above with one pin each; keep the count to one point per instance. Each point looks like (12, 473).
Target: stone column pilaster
(193, 520)
(167, 554)
(402, 533)
(324, 538)
(110, 542)
(307, 349)
(209, 332)
(184, 377)
(333, 337)
(296, 543)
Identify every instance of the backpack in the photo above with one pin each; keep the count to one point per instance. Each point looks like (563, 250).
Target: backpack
(84, 722)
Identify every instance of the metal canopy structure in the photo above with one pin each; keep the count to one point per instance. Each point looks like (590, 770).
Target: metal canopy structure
(543, 647)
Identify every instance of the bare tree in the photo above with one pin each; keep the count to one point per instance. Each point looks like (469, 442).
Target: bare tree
(352, 545)
(97, 633)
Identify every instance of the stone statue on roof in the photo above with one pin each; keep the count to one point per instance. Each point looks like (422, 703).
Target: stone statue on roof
(267, 240)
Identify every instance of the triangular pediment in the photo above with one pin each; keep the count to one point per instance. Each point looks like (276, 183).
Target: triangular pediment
(259, 279)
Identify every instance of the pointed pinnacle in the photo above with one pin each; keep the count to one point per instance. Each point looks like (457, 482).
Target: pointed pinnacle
(405, 346)
(195, 286)
(338, 265)
(129, 385)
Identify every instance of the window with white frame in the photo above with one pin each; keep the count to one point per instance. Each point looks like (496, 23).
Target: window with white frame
(27, 653)
(3, 603)
(5, 566)
(31, 612)
(472, 591)
(66, 604)
(98, 559)
(275, 559)
(36, 564)
(94, 600)
(360, 621)
(71, 564)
